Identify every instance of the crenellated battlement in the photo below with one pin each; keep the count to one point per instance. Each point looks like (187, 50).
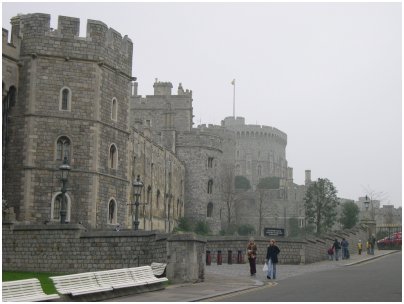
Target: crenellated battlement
(102, 44)
(253, 131)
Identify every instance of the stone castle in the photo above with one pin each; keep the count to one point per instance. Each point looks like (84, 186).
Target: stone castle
(75, 97)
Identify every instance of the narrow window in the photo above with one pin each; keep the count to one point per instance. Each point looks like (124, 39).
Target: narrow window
(210, 162)
(56, 207)
(114, 109)
(113, 157)
(65, 98)
(209, 210)
(158, 199)
(112, 212)
(259, 170)
(210, 186)
(63, 148)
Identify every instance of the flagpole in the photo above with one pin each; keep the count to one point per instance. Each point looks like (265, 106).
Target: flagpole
(234, 97)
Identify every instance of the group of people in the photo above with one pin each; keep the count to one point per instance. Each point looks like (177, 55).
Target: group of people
(334, 251)
(270, 261)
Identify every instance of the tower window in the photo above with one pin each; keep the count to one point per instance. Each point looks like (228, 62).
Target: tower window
(112, 212)
(210, 186)
(63, 148)
(113, 157)
(114, 109)
(210, 162)
(209, 210)
(65, 99)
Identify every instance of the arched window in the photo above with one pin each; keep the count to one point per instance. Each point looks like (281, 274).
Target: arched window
(114, 109)
(210, 186)
(158, 199)
(238, 171)
(113, 157)
(63, 148)
(259, 170)
(65, 98)
(56, 206)
(209, 210)
(112, 212)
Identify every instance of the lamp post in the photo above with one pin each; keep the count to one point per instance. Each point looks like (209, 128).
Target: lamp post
(137, 189)
(368, 220)
(64, 170)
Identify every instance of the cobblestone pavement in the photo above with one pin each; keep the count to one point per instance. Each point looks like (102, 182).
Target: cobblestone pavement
(224, 279)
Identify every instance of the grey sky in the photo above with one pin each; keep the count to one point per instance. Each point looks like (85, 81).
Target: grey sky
(327, 74)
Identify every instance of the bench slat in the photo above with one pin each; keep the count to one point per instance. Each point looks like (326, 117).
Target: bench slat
(28, 290)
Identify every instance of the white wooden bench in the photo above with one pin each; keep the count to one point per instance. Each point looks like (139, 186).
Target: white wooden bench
(145, 274)
(116, 278)
(29, 290)
(78, 284)
(158, 268)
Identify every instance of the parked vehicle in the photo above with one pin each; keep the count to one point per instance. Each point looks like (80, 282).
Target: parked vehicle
(390, 242)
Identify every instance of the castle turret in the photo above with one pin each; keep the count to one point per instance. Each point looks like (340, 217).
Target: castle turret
(162, 88)
(307, 179)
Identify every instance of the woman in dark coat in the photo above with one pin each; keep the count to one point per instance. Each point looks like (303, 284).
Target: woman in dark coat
(272, 259)
(252, 256)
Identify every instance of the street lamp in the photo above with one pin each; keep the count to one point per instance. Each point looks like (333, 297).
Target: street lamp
(137, 189)
(64, 169)
(366, 202)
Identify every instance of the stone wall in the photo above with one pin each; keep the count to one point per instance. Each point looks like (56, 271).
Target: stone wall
(70, 248)
(293, 251)
(185, 258)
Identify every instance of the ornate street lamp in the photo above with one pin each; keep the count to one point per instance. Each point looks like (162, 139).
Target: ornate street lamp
(137, 190)
(64, 170)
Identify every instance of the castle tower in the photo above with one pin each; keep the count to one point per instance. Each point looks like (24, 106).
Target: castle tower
(260, 150)
(307, 179)
(72, 101)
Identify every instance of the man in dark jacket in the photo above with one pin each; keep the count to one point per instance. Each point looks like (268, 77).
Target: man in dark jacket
(272, 259)
(337, 247)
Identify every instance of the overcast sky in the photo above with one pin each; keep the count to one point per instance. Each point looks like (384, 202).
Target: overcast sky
(327, 74)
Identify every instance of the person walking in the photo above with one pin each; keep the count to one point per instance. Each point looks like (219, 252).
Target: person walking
(272, 259)
(252, 256)
(345, 252)
(330, 252)
(360, 247)
(336, 247)
(372, 244)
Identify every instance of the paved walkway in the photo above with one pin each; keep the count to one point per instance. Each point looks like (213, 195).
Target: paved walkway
(224, 279)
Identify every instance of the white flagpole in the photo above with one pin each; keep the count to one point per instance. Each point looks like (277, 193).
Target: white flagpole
(234, 97)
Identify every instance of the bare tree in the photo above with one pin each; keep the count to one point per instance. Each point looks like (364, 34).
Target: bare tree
(374, 195)
(262, 195)
(227, 183)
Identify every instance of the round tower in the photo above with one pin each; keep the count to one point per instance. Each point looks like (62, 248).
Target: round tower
(72, 101)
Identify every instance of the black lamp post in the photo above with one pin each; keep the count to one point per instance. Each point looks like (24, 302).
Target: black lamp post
(64, 169)
(137, 189)
(366, 202)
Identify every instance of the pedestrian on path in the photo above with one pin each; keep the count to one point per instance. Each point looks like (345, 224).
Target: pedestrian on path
(272, 259)
(252, 256)
(345, 252)
(336, 247)
(367, 247)
(330, 252)
(360, 247)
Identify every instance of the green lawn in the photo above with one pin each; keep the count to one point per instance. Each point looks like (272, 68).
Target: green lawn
(46, 283)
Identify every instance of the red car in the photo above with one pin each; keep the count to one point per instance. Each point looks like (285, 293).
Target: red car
(393, 241)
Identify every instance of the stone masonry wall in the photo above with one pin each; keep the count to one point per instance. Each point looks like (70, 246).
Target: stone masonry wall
(293, 251)
(71, 249)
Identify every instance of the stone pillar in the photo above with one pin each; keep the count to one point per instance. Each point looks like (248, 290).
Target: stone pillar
(185, 258)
